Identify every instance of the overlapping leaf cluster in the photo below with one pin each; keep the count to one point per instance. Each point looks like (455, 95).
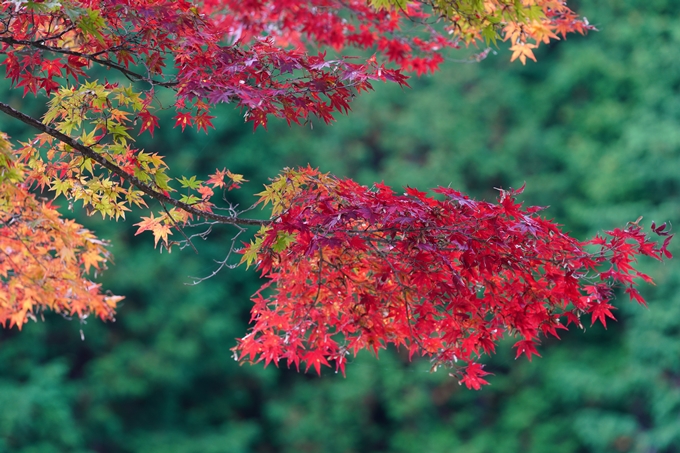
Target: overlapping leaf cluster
(44, 259)
(445, 277)
(173, 44)
(259, 55)
(352, 268)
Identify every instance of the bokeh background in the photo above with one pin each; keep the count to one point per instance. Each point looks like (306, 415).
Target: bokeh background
(593, 129)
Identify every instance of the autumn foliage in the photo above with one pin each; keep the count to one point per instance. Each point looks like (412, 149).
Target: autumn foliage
(44, 259)
(445, 277)
(346, 267)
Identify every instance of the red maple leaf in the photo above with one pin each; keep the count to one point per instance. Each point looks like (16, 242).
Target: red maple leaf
(149, 122)
(472, 376)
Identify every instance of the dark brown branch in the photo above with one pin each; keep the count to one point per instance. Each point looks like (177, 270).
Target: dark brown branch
(88, 152)
(108, 63)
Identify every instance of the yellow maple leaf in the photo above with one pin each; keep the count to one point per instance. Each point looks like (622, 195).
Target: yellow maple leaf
(161, 232)
(236, 178)
(541, 32)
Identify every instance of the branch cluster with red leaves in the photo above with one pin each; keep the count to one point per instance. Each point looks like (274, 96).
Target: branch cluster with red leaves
(443, 276)
(266, 57)
(347, 267)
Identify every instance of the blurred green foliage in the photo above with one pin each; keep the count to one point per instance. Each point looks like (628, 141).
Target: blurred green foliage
(593, 129)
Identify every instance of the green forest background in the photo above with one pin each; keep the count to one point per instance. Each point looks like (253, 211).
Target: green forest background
(593, 129)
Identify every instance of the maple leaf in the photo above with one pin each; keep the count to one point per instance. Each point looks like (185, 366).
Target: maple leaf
(149, 122)
(236, 180)
(17, 319)
(52, 67)
(472, 376)
(217, 179)
(315, 358)
(147, 223)
(157, 226)
(527, 347)
(249, 253)
(522, 50)
(202, 121)
(91, 258)
(206, 192)
(191, 183)
(161, 232)
(184, 119)
(542, 33)
(601, 311)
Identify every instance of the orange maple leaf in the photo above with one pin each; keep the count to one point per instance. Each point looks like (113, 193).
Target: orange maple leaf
(512, 31)
(206, 192)
(18, 318)
(91, 258)
(147, 223)
(155, 225)
(522, 50)
(217, 180)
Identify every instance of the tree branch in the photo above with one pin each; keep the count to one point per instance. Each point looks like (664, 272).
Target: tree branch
(125, 71)
(88, 152)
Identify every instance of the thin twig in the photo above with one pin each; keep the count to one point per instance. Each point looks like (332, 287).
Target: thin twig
(178, 228)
